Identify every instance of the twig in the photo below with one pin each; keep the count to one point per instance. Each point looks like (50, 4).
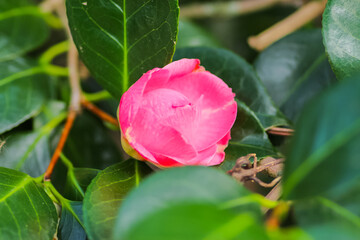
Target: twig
(75, 107)
(245, 171)
(100, 113)
(290, 24)
(280, 131)
(59, 147)
(275, 193)
(50, 5)
(227, 9)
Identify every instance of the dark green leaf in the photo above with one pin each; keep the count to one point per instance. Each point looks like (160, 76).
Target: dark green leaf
(324, 219)
(333, 216)
(78, 179)
(26, 211)
(294, 70)
(85, 148)
(341, 30)
(69, 227)
(196, 222)
(26, 152)
(169, 188)
(241, 77)
(105, 194)
(191, 35)
(247, 136)
(21, 97)
(21, 28)
(325, 151)
(120, 40)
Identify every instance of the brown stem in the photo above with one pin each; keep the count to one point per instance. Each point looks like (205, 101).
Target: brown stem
(75, 107)
(290, 24)
(60, 146)
(100, 113)
(267, 185)
(275, 193)
(227, 9)
(281, 131)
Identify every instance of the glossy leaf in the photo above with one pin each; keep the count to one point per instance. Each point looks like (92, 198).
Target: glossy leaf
(105, 194)
(325, 150)
(26, 152)
(324, 219)
(341, 30)
(21, 97)
(26, 211)
(247, 136)
(192, 35)
(168, 189)
(120, 40)
(196, 222)
(294, 70)
(85, 148)
(78, 179)
(334, 215)
(241, 77)
(69, 227)
(21, 28)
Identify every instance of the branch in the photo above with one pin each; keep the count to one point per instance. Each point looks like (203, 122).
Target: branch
(226, 9)
(302, 16)
(280, 131)
(75, 107)
(60, 146)
(100, 113)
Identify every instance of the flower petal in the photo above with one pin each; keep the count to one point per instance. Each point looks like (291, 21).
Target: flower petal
(182, 67)
(157, 138)
(195, 85)
(131, 99)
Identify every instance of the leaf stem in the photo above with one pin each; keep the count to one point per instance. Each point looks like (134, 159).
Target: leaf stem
(63, 201)
(55, 50)
(49, 69)
(100, 113)
(98, 96)
(71, 174)
(288, 25)
(50, 19)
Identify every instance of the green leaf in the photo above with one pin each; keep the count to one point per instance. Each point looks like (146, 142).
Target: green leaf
(27, 153)
(22, 92)
(120, 40)
(337, 211)
(325, 219)
(85, 148)
(341, 31)
(105, 194)
(325, 148)
(26, 211)
(21, 29)
(294, 70)
(78, 179)
(197, 222)
(241, 77)
(247, 136)
(191, 35)
(169, 188)
(69, 227)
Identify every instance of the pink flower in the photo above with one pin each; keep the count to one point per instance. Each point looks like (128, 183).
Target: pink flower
(177, 115)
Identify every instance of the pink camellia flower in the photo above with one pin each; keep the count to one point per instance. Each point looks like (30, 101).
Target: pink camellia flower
(177, 115)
